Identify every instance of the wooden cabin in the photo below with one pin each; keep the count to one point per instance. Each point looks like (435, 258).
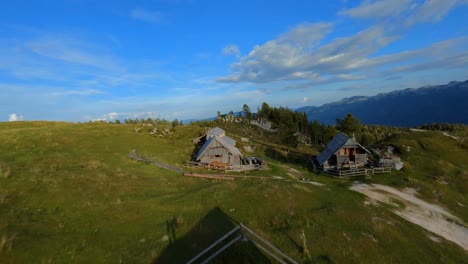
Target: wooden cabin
(219, 148)
(342, 152)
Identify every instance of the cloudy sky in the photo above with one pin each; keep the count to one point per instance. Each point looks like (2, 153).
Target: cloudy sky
(81, 60)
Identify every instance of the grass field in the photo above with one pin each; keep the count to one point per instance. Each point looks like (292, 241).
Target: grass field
(70, 194)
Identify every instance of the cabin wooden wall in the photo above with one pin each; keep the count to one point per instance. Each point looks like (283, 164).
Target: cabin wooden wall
(216, 152)
(360, 158)
(234, 160)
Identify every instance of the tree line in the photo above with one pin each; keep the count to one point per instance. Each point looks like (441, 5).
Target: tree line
(444, 127)
(290, 122)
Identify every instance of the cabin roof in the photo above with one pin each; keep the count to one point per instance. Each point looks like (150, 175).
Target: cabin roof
(229, 140)
(339, 141)
(216, 131)
(228, 143)
(221, 134)
(204, 147)
(225, 141)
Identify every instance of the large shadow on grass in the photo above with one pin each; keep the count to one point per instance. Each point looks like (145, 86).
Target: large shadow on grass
(210, 228)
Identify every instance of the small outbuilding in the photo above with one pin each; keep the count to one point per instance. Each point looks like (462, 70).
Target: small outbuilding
(342, 152)
(219, 148)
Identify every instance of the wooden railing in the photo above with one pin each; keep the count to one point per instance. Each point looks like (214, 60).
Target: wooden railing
(225, 167)
(241, 233)
(378, 170)
(355, 172)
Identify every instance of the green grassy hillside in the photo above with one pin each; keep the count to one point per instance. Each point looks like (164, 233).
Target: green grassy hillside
(436, 165)
(70, 194)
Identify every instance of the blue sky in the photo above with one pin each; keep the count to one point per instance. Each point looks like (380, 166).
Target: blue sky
(87, 60)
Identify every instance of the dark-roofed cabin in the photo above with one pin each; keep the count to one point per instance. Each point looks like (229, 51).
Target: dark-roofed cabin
(219, 148)
(342, 152)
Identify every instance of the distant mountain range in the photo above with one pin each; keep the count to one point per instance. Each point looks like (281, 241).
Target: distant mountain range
(409, 107)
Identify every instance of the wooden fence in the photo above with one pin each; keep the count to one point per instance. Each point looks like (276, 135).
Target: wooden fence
(378, 170)
(241, 233)
(355, 172)
(210, 176)
(135, 156)
(225, 167)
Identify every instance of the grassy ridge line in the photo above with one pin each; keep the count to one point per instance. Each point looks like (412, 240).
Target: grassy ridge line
(70, 194)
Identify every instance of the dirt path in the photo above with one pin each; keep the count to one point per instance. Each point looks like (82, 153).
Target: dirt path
(135, 156)
(450, 136)
(443, 133)
(298, 176)
(431, 217)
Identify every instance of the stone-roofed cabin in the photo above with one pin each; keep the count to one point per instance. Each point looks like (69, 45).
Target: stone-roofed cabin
(219, 148)
(342, 152)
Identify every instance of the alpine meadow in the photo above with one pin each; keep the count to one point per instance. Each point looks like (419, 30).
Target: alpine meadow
(194, 131)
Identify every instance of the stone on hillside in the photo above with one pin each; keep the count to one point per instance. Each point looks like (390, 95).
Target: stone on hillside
(264, 124)
(229, 118)
(249, 149)
(303, 139)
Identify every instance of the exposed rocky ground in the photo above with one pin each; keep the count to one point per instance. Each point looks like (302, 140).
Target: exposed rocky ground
(431, 217)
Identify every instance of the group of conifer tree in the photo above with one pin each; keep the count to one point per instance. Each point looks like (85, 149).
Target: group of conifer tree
(290, 122)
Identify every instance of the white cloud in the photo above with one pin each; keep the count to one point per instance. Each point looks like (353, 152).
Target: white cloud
(305, 99)
(450, 51)
(98, 120)
(121, 116)
(72, 50)
(377, 9)
(113, 115)
(294, 56)
(14, 117)
(232, 49)
(433, 11)
(301, 57)
(283, 58)
(153, 17)
(306, 35)
(75, 62)
(194, 104)
(350, 77)
(229, 79)
(446, 62)
(85, 92)
(404, 12)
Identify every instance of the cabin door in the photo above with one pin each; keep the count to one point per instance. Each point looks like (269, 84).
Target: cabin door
(351, 154)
